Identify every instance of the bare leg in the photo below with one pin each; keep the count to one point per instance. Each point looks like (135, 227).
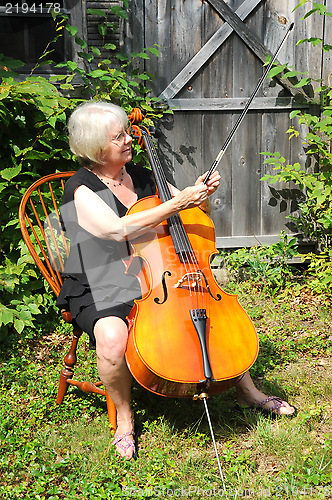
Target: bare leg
(248, 394)
(111, 340)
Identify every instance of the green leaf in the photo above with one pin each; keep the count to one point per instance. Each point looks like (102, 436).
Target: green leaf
(276, 70)
(97, 73)
(300, 4)
(10, 173)
(122, 57)
(52, 120)
(5, 73)
(154, 51)
(80, 42)
(313, 40)
(96, 51)
(266, 177)
(96, 12)
(144, 77)
(61, 65)
(293, 113)
(67, 86)
(72, 65)
(143, 55)
(119, 11)
(19, 325)
(34, 308)
(110, 46)
(71, 29)
(9, 62)
(4, 92)
(312, 11)
(303, 82)
(6, 315)
(84, 55)
(102, 28)
(56, 78)
(291, 74)
(37, 155)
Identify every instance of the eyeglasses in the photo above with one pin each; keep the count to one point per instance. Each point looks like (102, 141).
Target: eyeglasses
(120, 138)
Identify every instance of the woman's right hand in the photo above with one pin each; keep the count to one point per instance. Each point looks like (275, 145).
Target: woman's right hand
(191, 196)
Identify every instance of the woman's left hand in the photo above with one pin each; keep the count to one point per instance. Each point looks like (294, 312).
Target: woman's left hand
(213, 182)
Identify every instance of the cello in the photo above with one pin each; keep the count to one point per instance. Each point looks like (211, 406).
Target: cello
(186, 335)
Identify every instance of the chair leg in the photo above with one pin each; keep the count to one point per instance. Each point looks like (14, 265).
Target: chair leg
(69, 361)
(111, 409)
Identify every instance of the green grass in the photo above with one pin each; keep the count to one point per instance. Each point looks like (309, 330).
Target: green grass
(63, 452)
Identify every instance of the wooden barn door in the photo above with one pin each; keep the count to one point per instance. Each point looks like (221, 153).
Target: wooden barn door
(211, 55)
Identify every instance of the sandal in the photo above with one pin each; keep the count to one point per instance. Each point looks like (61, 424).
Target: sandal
(274, 410)
(119, 438)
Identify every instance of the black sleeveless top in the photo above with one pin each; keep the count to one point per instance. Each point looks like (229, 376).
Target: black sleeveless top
(94, 271)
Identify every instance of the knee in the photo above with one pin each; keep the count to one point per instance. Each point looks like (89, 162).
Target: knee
(111, 342)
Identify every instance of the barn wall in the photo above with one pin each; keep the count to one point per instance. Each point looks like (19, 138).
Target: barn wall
(206, 72)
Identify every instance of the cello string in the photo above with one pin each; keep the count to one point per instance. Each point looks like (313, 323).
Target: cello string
(193, 276)
(183, 241)
(163, 187)
(178, 230)
(214, 442)
(180, 233)
(198, 297)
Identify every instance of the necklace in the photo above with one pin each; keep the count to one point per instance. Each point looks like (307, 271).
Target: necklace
(115, 183)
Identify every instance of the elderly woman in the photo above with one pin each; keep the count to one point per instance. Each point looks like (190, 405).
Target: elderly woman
(96, 289)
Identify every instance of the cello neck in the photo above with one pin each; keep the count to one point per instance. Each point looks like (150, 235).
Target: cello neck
(157, 169)
(177, 231)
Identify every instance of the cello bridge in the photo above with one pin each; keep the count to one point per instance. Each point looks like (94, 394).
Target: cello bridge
(190, 279)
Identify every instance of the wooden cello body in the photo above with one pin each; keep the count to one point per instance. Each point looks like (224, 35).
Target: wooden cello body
(186, 335)
(164, 350)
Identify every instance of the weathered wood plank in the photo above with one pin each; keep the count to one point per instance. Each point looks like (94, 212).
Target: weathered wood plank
(183, 147)
(216, 128)
(158, 29)
(134, 34)
(276, 198)
(236, 104)
(187, 42)
(224, 242)
(245, 144)
(216, 76)
(327, 39)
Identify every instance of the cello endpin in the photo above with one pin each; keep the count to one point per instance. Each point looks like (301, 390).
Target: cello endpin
(202, 395)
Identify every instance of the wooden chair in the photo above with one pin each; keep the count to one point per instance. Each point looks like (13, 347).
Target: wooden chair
(49, 249)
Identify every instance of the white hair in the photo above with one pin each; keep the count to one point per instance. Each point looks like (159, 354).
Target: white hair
(89, 127)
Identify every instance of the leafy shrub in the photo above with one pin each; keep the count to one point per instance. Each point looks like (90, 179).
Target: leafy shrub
(265, 264)
(315, 219)
(33, 143)
(33, 116)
